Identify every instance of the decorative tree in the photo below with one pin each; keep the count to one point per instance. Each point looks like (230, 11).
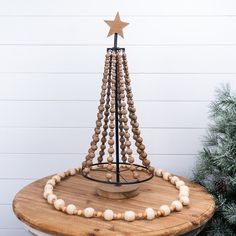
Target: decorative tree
(216, 167)
(117, 124)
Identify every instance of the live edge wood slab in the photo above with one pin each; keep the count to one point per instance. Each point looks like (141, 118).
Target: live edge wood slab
(33, 210)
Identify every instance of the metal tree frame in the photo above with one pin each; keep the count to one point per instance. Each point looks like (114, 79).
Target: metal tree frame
(125, 166)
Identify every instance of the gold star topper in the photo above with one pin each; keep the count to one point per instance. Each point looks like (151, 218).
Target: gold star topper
(116, 26)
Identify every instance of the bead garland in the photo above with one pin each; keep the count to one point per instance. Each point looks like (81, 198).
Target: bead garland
(108, 214)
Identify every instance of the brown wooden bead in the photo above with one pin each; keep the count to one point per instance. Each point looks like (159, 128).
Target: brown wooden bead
(108, 176)
(109, 167)
(110, 158)
(111, 150)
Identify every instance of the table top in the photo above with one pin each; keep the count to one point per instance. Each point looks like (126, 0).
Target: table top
(32, 209)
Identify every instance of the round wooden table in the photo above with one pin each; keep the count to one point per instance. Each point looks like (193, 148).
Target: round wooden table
(40, 218)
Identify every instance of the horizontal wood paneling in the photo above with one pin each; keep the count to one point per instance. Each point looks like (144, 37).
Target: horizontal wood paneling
(66, 140)
(12, 186)
(158, 87)
(8, 219)
(136, 7)
(151, 59)
(46, 164)
(81, 30)
(83, 114)
(13, 232)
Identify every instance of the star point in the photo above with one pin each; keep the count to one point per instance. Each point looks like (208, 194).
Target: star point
(116, 26)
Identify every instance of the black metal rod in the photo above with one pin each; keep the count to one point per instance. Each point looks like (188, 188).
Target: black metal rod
(117, 118)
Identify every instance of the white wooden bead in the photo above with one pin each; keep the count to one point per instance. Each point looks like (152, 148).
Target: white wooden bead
(47, 192)
(179, 183)
(165, 209)
(52, 182)
(72, 171)
(48, 186)
(88, 212)
(70, 209)
(57, 178)
(51, 198)
(150, 213)
(59, 203)
(183, 193)
(166, 175)
(108, 214)
(185, 200)
(129, 216)
(177, 205)
(62, 175)
(174, 179)
(158, 172)
(184, 187)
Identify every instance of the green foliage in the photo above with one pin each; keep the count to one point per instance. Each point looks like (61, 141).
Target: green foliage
(216, 165)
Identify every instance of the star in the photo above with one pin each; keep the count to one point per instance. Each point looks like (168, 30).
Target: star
(116, 26)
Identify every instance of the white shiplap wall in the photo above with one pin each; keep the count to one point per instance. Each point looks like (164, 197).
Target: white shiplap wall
(51, 60)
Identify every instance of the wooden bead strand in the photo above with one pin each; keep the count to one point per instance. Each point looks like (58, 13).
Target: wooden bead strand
(127, 143)
(93, 144)
(106, 117)
(135, 126)
(149, 213)
(122, 115)
(111, 118)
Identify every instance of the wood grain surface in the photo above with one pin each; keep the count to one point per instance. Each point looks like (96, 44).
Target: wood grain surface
(31, 208)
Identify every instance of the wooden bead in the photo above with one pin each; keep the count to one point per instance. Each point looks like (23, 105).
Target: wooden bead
(130, 159)
(57, 178)
(132, 167)
(109, 167)
(108, 176)
(179, 183)
(110, 159)
(174, 179)
(165, 210)
(129, 151)
(146, 162)
(151, 169)
(110, 141)
(88, 212)
(99, 214)
(184, 200)
(72, 171)
(59, 203)
(70, 209)
(48, 186)
(79, 212)
(111, 150)
(184, 188)
(129, 216)
(62, 175)
(52, 182)
(47, 192)
(177, 205)
(51, 198)
(108, 214)
(166, 175)
(183, 193)
(150, 213)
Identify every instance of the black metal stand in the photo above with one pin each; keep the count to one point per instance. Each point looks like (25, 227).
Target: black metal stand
(116, 118)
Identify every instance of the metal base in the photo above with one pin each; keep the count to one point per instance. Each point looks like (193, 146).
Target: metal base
(125, 173)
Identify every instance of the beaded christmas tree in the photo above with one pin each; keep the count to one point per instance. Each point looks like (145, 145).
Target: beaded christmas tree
(116, 120)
